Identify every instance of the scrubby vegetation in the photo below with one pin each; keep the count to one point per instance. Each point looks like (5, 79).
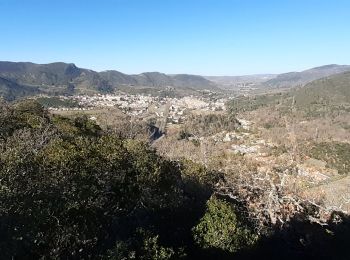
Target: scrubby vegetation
(220, 228)
(209, 124)
(249, 103)
(72, 190)
(57, 102)
(336, 155)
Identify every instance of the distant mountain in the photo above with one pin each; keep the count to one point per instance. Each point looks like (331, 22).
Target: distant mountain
(56, 77)
(196, 82)
(25, 78)
(37, 74)
(293, 79)
(19, 79)
(158, 80)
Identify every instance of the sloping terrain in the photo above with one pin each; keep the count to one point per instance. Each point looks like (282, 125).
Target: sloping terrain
(36, 74)
(11, 90)
(323, 95)
(333, 90)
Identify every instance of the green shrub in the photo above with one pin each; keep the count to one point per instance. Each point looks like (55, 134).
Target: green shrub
(210, 124)
(220, 228)
(143, 246)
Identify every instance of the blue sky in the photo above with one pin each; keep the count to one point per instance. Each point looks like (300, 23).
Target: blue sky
(208, 37)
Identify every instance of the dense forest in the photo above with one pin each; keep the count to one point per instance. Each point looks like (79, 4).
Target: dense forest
(71, 190)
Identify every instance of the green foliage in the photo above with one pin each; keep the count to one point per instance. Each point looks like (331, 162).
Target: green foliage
(243, 103)
(87, 127)
(209, 124)
(57, 102)
(221, 228)
(151, 249)
(25, 114)
(199, 180)
(144, 245)
(72, 193)
(80, 125)
(337, 155)
(331, 91)
(69, 190)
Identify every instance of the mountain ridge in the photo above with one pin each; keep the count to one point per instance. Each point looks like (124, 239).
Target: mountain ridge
(67, 78)
(20, 79)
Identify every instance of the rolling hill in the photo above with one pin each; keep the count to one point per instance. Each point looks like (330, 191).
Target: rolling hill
(318, 97)
(331, 91)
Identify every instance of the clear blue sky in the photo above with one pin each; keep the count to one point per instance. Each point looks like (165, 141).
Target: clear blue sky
(208, 37)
